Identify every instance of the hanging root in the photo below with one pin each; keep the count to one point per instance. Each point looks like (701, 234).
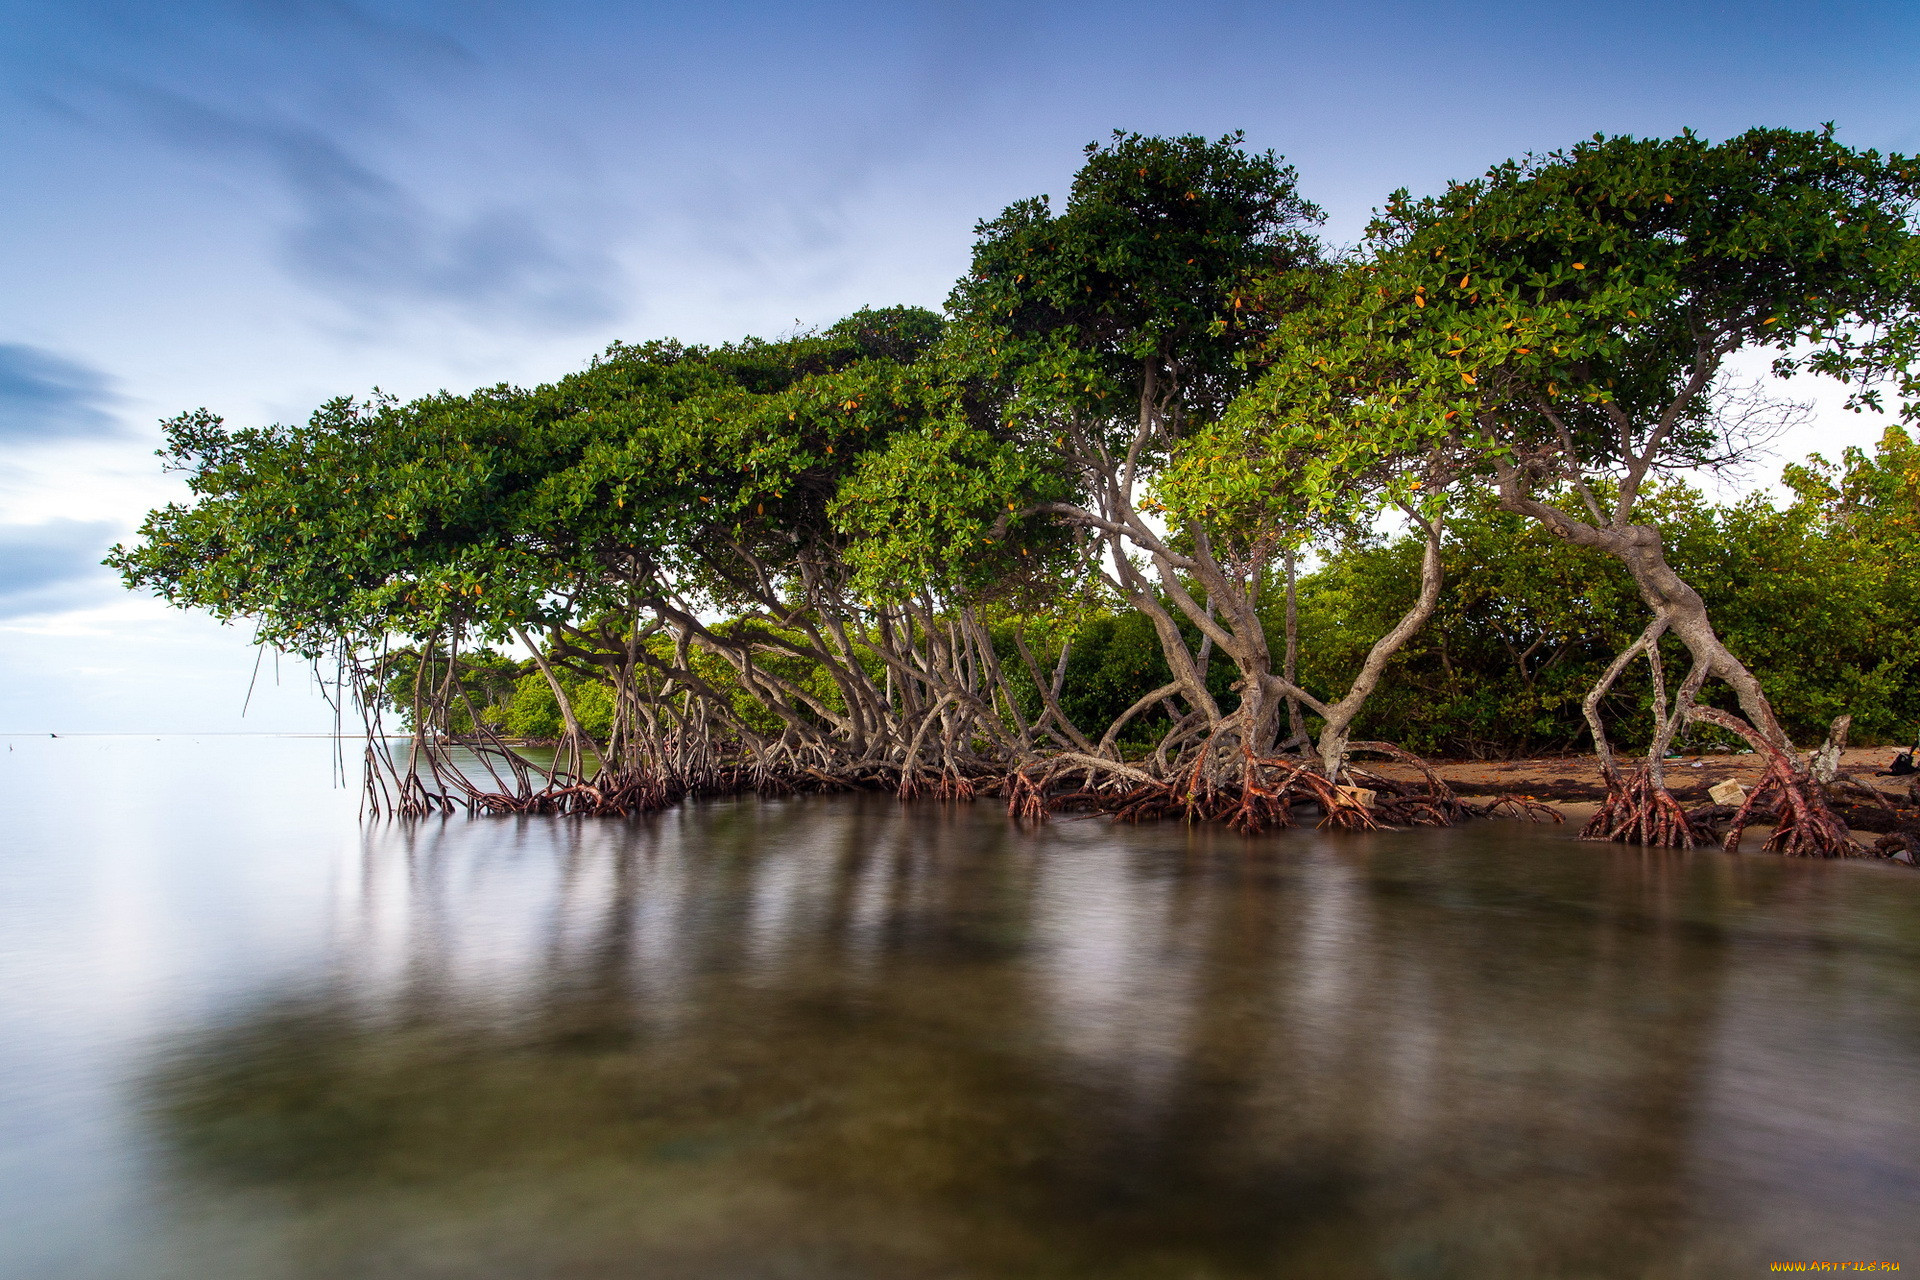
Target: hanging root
(1641, 812)
(1803, 825)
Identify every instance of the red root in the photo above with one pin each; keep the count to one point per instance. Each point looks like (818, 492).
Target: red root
(1640, 812)
(1027, 797)
(1508, 805)
(1803, 824)
(1400, 803)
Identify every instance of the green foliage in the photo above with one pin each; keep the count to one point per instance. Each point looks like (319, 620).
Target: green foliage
(1528, 622)
(377, 518)
(1057, 323)
(1157, 236)
(533, 714)
(485, 681)
(1173, 334)
(935, 509)
(1573, 307)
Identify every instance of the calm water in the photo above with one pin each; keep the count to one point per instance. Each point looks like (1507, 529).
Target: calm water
(243, 1036)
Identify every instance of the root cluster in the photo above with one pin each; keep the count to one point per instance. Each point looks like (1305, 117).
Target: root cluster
(1641, 811)
(1253, 794)
(1803, 824)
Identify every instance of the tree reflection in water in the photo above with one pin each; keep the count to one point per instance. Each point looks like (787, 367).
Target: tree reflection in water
(851, 1038)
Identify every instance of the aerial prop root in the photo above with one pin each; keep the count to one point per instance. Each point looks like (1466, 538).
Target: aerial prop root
(1027, 794)
(1804, 826)
(1508, 805)
(608, 796)
(1250, 793)
(950, 781)
(1640, 811)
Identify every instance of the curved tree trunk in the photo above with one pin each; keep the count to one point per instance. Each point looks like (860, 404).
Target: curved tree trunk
(1334, 736)
(1679, 609)
(1674, 603)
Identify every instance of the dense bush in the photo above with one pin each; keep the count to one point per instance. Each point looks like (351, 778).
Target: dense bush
(1820, 596)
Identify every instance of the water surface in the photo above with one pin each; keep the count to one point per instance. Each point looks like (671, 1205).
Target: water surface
(241, 1034)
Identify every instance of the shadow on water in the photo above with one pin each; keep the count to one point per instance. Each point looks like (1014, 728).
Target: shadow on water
(849, 1038)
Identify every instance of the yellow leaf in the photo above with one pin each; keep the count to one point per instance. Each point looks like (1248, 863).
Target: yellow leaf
(1579, 266)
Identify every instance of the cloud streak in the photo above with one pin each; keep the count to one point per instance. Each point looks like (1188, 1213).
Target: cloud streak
(48, 398)
(49, 566)
(369, 240)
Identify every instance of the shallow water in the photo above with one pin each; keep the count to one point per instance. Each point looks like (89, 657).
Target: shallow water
(243, 1035)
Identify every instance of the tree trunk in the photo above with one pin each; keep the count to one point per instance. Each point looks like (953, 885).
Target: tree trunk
(1290, 664)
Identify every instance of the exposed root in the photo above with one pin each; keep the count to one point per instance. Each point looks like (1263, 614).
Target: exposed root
(953, 785)
(1508, 805)
(1262, 807)
(1803, 824)
(1027, 796)
(614, 797)
(1403, 804)
(1259, 795)
(627, 794)
(1842, 783)
(1710, 820)
(1641, 812)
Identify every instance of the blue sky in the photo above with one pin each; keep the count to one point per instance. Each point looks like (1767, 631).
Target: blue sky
(254, 206)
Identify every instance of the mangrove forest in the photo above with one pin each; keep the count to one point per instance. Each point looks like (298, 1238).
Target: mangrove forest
(1176, 509)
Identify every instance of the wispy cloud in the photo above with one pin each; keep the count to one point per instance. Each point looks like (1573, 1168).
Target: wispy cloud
(46, 397)
(370, 240)
(50, 566)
